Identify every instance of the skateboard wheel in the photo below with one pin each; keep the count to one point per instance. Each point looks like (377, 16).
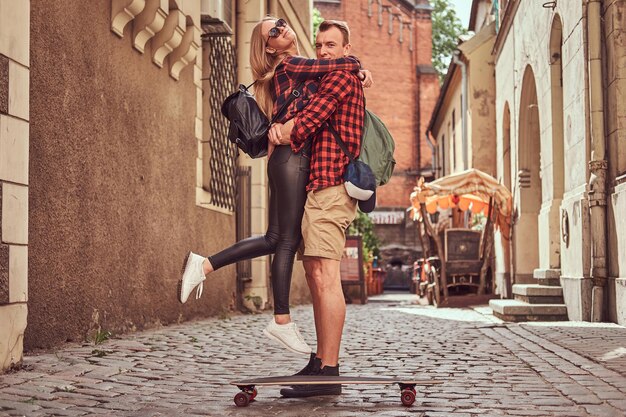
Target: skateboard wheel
(408, 397)
(242, 399)
(253, 394)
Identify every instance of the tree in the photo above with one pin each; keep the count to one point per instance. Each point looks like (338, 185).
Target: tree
(317, 19)
(447, 28)
(363, 226)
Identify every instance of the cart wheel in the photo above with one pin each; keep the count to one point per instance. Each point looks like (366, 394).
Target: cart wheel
(436, 289)
(242, 399)
(407, 396)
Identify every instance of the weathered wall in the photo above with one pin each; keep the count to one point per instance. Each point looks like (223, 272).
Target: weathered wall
(113, 175)
(528, 43)
(481, 103)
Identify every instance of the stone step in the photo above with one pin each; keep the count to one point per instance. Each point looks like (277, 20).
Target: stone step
(538, 294)
(548, 277)
(550, 282)
(516, 310)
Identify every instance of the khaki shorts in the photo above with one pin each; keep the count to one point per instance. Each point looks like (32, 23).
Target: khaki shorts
(327, 214)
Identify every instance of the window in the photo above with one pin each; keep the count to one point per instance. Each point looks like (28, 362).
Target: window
(219, 154)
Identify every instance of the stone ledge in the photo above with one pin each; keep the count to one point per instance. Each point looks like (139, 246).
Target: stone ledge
(537, 290)
(546, 273)
(515, 307)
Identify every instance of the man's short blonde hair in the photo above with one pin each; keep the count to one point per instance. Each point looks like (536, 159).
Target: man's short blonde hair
(342, 26)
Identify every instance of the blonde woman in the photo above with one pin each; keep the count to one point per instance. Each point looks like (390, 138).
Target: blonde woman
(277, 69)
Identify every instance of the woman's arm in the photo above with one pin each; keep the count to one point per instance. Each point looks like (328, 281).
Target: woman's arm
(302, 69)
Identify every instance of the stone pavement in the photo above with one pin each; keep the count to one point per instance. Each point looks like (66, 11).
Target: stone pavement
(489, 368)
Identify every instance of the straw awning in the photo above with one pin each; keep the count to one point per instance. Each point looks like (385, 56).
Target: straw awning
(467, 190)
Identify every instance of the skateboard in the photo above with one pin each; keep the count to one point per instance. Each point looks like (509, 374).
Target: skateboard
(249, 391)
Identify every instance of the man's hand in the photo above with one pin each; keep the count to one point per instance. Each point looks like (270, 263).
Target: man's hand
(366, 78)
(274, 135)
(280, 134)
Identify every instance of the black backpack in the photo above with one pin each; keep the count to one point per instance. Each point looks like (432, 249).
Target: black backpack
(248, 124)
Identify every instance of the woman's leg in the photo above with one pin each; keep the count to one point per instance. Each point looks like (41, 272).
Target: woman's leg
(248, 248)
(290, 174)
(196, 267)
(288, 178)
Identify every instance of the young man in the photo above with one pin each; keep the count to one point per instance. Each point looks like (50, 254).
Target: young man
(329, 210)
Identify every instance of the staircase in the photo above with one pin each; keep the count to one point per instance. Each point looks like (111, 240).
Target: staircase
(534, 302)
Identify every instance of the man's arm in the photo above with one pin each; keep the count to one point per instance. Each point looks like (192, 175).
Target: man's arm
(334, 89)
(303, 69)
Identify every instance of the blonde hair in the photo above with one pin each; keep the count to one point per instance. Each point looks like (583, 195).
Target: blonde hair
(263, 67)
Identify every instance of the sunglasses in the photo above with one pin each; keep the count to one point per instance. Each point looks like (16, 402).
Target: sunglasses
(275, 31)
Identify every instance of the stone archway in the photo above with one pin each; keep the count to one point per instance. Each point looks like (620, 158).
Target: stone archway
(528, 194)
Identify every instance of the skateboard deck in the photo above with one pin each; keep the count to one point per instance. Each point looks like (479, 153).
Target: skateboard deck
(249, 391)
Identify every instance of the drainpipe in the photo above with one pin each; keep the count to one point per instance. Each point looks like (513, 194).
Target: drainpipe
(598, 163)
(456, 60)
(434, 152)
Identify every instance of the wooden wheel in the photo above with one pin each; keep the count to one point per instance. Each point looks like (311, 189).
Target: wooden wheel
(436, 291)
(242, 399)
(407, 396)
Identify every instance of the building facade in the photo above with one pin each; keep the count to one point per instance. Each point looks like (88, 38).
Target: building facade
(393, 39)
(114, 163)
(463, 127)
(561, 148)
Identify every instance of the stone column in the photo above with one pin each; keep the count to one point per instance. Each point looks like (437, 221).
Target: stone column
(14, 140)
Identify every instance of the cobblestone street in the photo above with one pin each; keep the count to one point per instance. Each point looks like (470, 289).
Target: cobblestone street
(489, 368)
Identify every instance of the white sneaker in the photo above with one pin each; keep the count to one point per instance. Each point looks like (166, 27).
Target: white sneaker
(288, 336)
(192, 276)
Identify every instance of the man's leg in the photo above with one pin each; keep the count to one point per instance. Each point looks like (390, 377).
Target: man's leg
(326, 280)
(308, 272)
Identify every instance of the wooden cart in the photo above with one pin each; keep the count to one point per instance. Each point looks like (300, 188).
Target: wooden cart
(467, 266)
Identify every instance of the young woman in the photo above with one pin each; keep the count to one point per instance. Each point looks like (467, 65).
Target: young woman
(277, 70)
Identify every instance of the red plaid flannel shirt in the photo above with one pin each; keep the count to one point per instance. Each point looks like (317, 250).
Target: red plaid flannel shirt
(295, 69)
(339, 100)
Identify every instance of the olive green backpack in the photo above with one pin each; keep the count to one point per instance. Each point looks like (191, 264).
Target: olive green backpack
(377, 148)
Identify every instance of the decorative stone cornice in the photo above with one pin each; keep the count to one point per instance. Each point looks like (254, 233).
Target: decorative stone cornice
(122, 12)
(165, 24)
(149, 22)
(169, 38)
(186, 52)
(394, 12)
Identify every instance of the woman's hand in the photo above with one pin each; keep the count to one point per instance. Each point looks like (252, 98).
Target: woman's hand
(275, 134)
(366, 78)
(270, 149)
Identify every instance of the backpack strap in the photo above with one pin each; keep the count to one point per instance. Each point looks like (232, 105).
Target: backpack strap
(340, 141)
(295, 93)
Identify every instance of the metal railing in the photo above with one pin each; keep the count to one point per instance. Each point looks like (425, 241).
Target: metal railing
(221, 182)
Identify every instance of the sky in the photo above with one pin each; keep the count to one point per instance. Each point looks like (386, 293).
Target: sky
(463, 8)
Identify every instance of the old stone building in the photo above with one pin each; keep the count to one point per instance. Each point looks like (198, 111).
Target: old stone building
(554, 134)
(114, 163)
(463, 123)
(561, 148)
(393, 40)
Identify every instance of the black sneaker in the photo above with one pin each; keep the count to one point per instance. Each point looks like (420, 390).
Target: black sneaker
(302, 391)
(312, 367)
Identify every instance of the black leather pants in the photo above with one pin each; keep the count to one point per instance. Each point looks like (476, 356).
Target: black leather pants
(288, 175)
